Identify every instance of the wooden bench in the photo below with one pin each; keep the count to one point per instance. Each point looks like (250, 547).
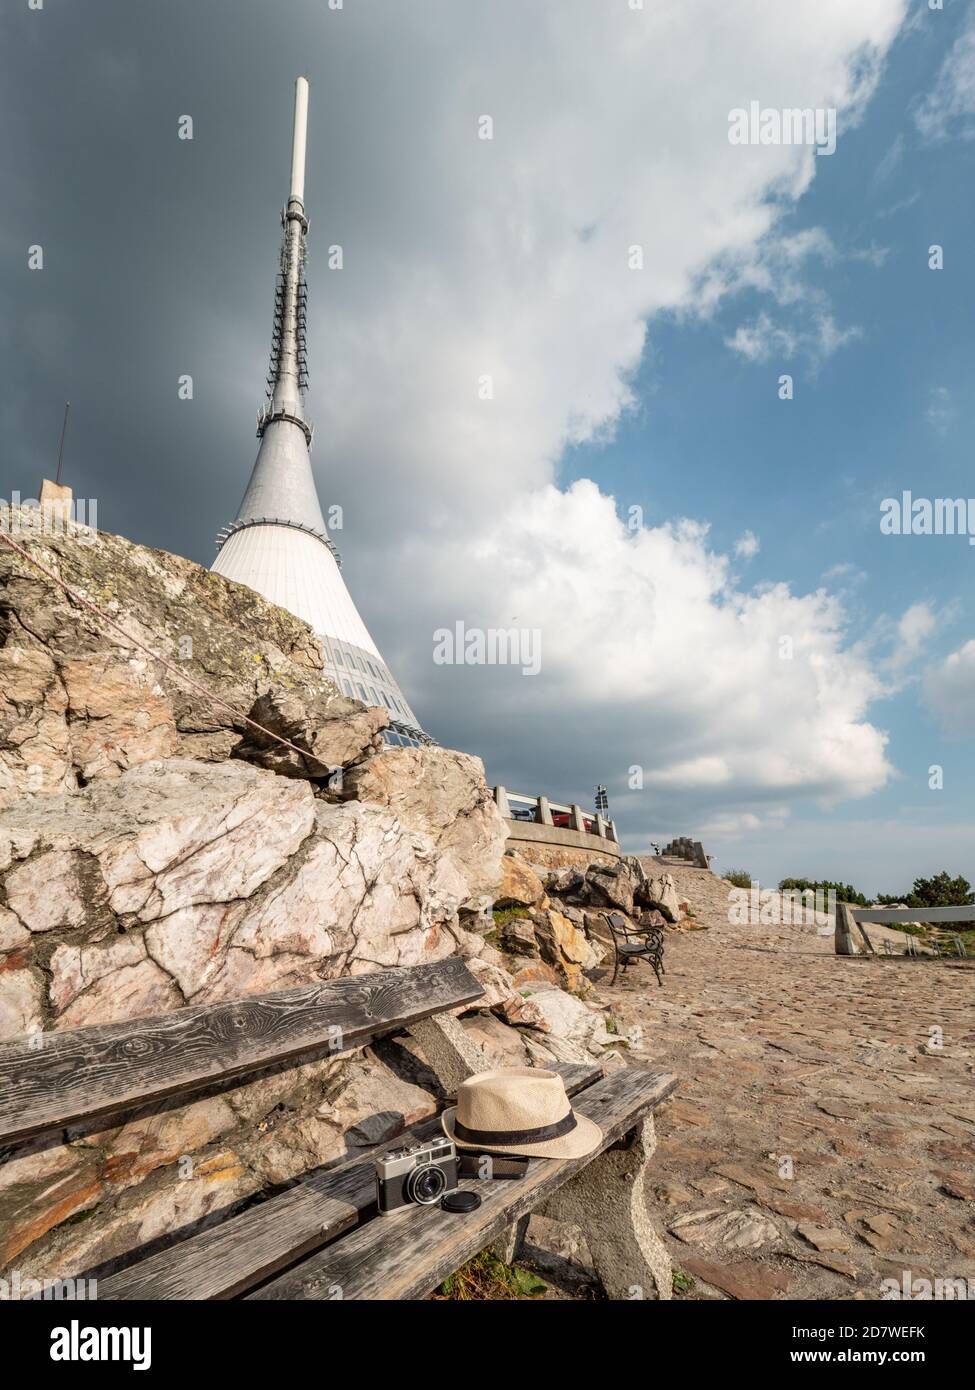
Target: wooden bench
(319, 1239)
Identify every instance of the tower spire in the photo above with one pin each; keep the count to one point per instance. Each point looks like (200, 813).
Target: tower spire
(288, 376)
(278, 543)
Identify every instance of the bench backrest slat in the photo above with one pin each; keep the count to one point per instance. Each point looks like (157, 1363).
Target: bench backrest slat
(56, 1079)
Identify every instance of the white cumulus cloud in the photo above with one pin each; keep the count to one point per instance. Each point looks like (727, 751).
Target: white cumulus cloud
(949, 108)
(950, 690)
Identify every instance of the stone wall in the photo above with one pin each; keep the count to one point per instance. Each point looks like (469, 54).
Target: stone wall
(557, 856)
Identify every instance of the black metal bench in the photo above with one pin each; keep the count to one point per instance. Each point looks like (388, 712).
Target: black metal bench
(635, 943)
(318, 1239)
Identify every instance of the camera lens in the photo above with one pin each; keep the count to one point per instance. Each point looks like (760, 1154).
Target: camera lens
(426, 1185)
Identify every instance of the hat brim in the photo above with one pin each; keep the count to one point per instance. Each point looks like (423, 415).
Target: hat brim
(584, 1139)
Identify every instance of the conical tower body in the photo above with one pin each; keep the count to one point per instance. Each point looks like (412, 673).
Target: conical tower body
(278, 544)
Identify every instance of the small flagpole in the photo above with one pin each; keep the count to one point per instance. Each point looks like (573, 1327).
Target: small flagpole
(64, 426)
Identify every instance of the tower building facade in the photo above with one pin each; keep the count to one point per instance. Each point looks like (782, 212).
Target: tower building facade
(278, 543)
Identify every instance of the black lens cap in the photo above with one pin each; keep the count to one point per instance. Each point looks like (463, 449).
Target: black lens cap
(461, 1201)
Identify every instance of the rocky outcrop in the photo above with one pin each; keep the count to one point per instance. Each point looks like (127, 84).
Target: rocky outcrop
(661, 893)
(624, 887)
(156, 850)
(80, 701)
(565, 947)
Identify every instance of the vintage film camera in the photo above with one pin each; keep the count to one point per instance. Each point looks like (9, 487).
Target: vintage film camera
(418, 1174)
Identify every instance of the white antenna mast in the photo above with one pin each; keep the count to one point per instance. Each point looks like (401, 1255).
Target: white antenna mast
(299, 139)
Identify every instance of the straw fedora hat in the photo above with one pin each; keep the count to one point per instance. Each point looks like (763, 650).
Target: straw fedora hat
(519, 1110)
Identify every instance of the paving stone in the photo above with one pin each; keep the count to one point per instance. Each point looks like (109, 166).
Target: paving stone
(795, 1211)
(736, 1230)
(824, 1237)
(745, 1279)
(710, 1187)
(672, 1194)
(756, 1179)
(956, 1185)
(830, 1262)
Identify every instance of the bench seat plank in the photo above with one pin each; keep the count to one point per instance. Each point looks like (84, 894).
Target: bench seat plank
(86, 1073)
(228, 1259)
(407, 1255)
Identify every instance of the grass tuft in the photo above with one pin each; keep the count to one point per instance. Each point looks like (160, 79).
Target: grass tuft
(486, 1277)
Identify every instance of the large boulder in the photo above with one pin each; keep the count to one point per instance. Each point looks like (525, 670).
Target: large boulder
(613, 885)
(520, 885)
(181, 882)
(443, 794)
(334, 734)
(185, 882)
(158, 850)
(660, 892)
(565, 947)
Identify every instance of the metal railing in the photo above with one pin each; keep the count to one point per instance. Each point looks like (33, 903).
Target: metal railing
(852, 940)
(538, 810)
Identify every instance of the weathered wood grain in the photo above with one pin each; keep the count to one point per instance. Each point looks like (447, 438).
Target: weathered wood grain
(89, 1072)
(409, 1254)
(242, 1251)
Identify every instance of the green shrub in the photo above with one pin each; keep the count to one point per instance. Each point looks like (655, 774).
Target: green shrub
(941, 891)
(741, 878)
(845, 892)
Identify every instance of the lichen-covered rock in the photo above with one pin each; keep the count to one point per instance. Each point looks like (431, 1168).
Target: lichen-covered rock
(334, 736)
(517, 935)
(35, 745)
(623, 885)
(81, 701)
(613, 885)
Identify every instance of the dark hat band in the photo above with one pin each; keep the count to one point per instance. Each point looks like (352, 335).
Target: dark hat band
(515, 1136)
